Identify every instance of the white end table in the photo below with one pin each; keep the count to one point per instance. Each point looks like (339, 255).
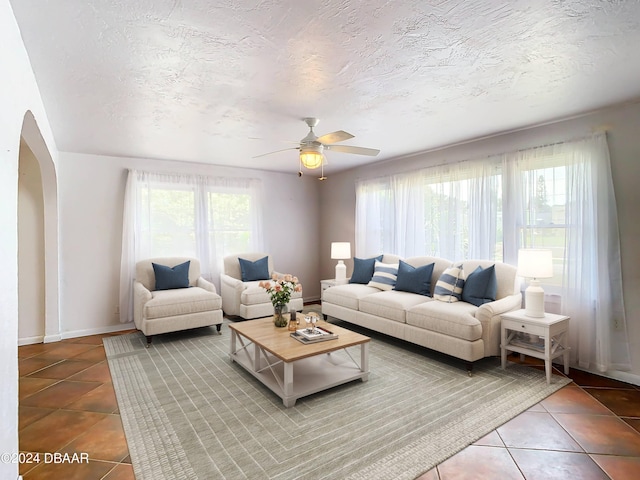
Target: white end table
(324, 284)
(553, 333)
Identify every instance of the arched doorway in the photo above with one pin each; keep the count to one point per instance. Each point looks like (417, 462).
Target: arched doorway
(31, 271)
(37, 160)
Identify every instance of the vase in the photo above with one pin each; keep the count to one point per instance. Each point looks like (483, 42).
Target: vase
(279, 318)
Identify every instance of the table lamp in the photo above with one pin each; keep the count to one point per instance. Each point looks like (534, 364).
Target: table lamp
(341, 251)
(534, 263)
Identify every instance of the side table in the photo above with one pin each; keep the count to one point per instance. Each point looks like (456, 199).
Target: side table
(324, 284)
(552, 332)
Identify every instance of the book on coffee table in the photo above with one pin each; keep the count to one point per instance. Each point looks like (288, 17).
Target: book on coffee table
(318, 334)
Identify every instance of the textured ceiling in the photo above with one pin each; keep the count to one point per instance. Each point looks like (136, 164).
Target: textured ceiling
(199, 81)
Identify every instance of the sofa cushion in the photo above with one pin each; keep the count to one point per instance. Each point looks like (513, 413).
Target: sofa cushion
(414, 280)
(347, 296)
(169, 303)
(168, 278)
(391, 305)
(449, 285)
(363, 269)
(384, 276)
(254, 294)
(480, 286)
(452, 319)
(251, 271)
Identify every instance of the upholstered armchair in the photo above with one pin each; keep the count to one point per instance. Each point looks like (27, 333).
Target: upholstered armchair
(239, 286)
(170, 295)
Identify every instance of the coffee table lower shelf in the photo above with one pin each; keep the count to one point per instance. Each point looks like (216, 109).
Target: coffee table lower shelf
(300, 378)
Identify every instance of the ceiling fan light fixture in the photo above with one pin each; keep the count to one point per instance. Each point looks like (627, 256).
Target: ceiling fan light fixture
(311, 156)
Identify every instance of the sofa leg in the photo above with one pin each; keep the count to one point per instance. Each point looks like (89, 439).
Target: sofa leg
(218, 327)
(148, 340)
(469, 368)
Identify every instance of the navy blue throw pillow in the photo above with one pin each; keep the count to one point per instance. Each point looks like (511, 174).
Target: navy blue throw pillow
(414, 279)
(168, 278)
(251, 271)
(480, 286)
(363, 269)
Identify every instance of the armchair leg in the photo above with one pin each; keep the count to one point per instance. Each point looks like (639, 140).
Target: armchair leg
(469, 368)
(148, 340)
(218, 327)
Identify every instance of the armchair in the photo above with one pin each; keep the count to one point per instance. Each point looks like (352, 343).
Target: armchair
(190, 303)
(247, 299)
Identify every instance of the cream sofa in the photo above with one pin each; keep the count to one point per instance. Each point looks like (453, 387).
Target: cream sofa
(247, 299)
(162, 311)
(459, 329)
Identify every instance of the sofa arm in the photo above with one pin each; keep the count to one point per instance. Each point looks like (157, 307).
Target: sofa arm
(498, 307)
(489, 316)
(230, 291)
(140, 297)
(207, 285)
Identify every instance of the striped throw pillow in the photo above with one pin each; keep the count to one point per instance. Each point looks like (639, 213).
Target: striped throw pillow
(384, 276)
(449, 285)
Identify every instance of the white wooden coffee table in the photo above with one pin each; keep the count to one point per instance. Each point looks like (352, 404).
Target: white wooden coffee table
(291, 369)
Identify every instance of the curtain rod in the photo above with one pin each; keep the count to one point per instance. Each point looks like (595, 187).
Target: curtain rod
(573, 139)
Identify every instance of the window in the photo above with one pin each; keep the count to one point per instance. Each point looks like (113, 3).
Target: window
(558, 197)
(229, 222)
(545, 225)
(204, 217)
(167, 219)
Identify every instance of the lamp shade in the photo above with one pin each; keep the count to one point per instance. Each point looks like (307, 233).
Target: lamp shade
(535, 263)
(340, 250)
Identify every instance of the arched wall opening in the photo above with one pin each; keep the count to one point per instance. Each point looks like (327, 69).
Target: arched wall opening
(47, 247)
(31, 251)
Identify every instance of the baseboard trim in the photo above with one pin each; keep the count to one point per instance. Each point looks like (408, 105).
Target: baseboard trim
(74, 334)
(30, 340)
(52, 338)
(98, 330)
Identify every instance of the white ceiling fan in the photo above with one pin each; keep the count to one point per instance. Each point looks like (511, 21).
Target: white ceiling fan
(312, 147)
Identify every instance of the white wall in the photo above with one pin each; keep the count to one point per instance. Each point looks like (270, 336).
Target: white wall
(337, 215)
(91, 198)
(18, 95)
(31, 271)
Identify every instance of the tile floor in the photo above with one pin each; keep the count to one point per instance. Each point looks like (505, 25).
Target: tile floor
(68, 405)
(590, 429)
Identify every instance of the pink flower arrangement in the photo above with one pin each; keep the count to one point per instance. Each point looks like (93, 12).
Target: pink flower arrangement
(281, 287)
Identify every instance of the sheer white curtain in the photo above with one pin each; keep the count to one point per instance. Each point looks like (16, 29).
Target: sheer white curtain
(408, 207)
(558, 196)
(593, 289)
(390, 216)
(462, 218)
(186, 215)
(589, 279)
(373, 213)
(449, 211)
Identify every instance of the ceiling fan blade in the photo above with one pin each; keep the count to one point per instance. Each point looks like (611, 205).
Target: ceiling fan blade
(350, 149)
(334, 137)
(277, 151)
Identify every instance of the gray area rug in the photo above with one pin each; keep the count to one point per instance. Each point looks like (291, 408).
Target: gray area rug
(188, 413)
